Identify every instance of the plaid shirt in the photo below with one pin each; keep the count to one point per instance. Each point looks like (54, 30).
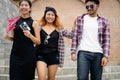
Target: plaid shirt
(103, 34)
(63, 33)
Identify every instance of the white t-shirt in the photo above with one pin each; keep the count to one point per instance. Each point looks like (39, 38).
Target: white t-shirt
(90, 41)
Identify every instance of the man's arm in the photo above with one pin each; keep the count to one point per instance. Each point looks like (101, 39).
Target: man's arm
(106, 40)
(106, 44)
(74, 43)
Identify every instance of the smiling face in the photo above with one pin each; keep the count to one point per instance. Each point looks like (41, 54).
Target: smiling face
(91, 8)
(24, 8)
(50, 17)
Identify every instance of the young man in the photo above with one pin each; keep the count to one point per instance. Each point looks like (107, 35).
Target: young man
(92, 43)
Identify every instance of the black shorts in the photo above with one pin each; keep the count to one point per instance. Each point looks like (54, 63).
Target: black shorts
(49, 58)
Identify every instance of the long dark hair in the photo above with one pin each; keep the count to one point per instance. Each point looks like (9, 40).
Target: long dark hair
(28, 1)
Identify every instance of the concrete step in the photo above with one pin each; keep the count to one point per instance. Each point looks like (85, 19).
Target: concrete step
(62, 77)
(112, 75)
(4, 61)
(64, 71)
(106, 76)
(67, 70)
(114, 79)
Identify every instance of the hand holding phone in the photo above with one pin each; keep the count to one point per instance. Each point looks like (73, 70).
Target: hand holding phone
(24, 26)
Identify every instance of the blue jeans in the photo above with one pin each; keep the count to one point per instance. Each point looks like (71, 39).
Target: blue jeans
(89, 62)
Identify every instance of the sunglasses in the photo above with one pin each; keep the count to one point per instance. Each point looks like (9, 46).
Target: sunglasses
(46, 39)
(90, 6)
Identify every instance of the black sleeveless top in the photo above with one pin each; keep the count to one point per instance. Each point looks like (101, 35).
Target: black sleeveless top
(49, 43)
(23, 49)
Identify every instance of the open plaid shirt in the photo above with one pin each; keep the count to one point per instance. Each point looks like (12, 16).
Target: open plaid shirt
(103, 34)
(63, 33)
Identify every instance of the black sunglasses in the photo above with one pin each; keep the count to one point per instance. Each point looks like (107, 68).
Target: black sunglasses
(90, 6)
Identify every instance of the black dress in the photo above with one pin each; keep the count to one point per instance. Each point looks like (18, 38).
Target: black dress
(22, 58)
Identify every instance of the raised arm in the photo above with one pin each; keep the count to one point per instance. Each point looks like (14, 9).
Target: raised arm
(106, 39)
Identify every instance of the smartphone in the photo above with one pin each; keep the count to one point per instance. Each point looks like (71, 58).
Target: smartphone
(24, 26)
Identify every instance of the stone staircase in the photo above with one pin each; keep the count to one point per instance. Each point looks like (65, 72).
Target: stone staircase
(68, 13)
(111, 72)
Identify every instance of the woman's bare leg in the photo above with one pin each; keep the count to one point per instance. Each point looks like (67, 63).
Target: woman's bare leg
(41, 70)
(52, 69)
